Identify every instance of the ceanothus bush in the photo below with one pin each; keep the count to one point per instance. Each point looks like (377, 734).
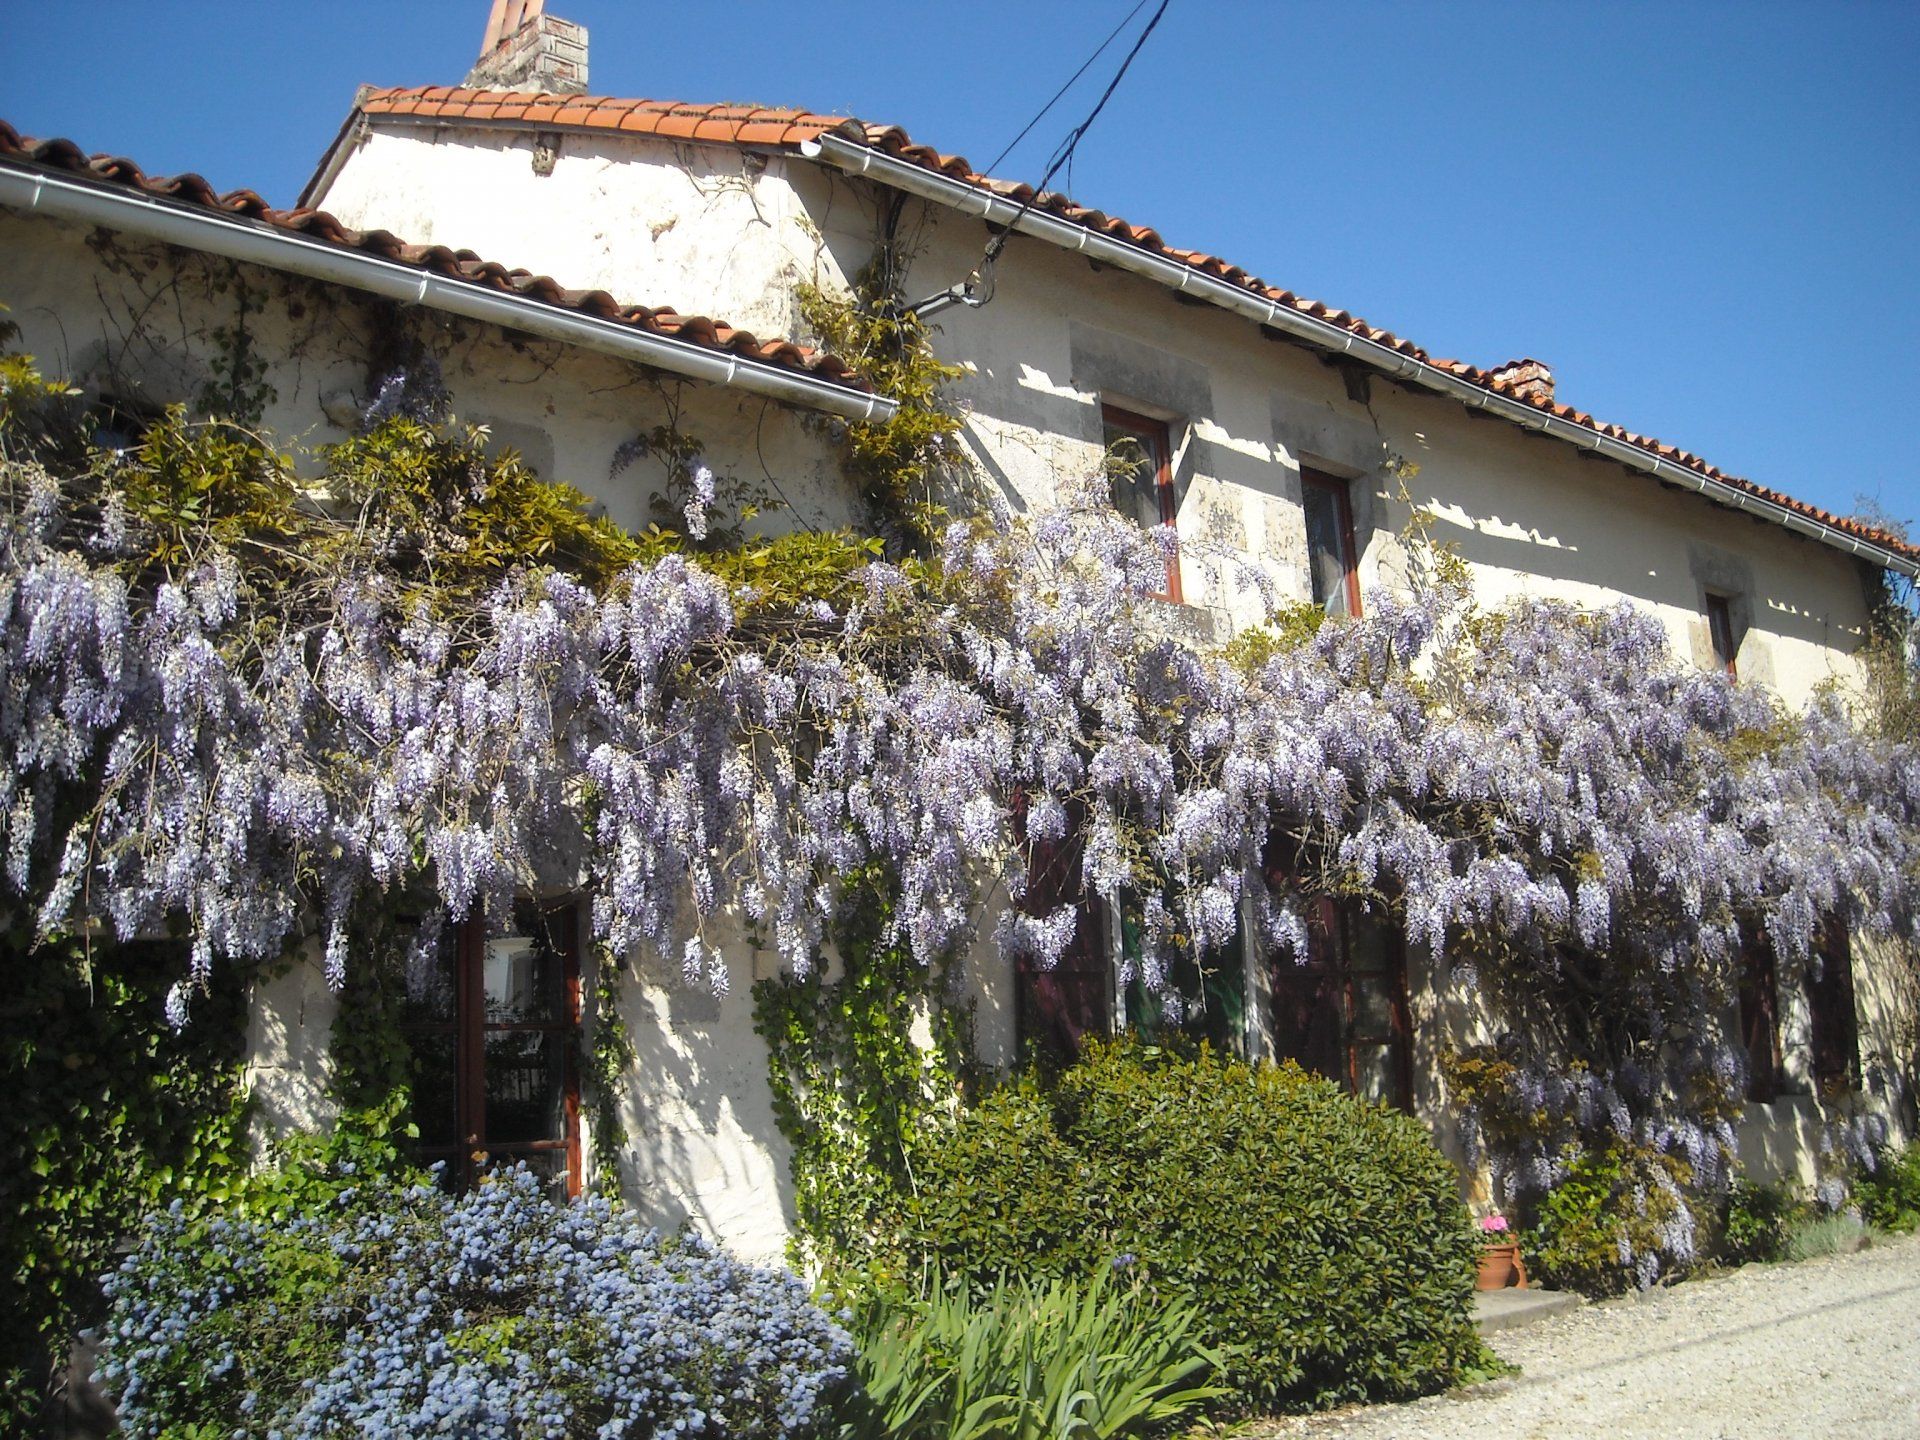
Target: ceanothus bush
(405, 1311)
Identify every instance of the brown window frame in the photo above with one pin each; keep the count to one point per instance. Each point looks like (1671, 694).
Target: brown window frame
(1720, 636)
(1760, 1017)
(471, 1154)
(1156, 438)
(1342, 492)
(1833, 1022)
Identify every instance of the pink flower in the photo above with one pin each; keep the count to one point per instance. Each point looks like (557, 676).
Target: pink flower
(1494, 1224)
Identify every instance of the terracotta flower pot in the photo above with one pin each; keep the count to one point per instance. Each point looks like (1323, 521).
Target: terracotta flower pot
(1501, 1267)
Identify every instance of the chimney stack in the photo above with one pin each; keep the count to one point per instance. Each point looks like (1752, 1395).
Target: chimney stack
(526, 49)
(1524, 379)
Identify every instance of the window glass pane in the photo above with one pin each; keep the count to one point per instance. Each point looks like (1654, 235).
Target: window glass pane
(1373, 1007)
(522, 978)
(526, 1083)
(1133, 471)
(1326, 547)
(1309, 1019)
(436, 1095)
(1376, 1073)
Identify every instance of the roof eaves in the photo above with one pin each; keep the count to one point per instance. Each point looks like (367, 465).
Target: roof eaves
(56, 177)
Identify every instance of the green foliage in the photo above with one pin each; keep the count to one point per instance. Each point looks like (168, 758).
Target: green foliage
(610, 1059)
(1323, 1234)
(1889, 1194)
(1289, 627)
(1757, 1221)
(109, 1114)
(898, 463)
(850, 1083)
(452, 520)
(1072, 1359)
(1590, 1229)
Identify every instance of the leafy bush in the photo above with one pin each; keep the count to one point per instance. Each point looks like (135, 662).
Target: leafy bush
(402, 1311)
(1320, 1236)
(1758, 1221)
(1620, 1217)
(1073, 1359)
(1889, 1194)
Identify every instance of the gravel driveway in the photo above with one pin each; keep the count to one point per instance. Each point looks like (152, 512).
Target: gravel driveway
(1768, 1352)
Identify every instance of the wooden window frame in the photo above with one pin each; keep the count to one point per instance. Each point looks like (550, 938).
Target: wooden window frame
(472, 1151)
(1720, 636)
(1342, 492)
(1156, 438)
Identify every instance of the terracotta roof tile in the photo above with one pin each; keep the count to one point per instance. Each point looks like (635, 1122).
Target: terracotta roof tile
(754, 125)
(190, 189)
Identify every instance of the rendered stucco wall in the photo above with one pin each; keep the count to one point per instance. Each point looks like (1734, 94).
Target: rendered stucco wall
(720, 229)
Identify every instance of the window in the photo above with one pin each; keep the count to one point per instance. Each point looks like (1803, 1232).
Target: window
(493, 1028)
(1726, 647)
(1331, 560)
(1342, 1013)
(1140, 472)
(1836, 1034)
(1055, 1009)
(1759, 1018)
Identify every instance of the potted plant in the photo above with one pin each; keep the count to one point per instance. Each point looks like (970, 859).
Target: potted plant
(1500, 1263)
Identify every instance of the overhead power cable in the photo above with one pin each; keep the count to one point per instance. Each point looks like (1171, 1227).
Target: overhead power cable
(977, 289)
(1072, 80)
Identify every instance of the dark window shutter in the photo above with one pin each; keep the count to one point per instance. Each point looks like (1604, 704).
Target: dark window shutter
(1836, 1035)
(1759, 1018)
(1058, 1008)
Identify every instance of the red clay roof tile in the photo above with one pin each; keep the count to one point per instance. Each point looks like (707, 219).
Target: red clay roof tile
(190, 189)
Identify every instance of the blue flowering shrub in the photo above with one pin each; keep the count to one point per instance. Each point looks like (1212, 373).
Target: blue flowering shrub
(399, 1310)
(1321, 1238)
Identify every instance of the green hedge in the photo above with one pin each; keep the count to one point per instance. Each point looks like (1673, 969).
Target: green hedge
(1322, 1238)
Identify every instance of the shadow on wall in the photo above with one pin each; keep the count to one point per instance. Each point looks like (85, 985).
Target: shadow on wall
(1600, 563)
(702, 1146)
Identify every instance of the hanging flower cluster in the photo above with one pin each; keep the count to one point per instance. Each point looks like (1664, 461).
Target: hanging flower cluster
(229, 705)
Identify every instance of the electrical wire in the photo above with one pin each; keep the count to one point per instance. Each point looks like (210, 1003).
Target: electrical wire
(1072, 80)
(1074, 137)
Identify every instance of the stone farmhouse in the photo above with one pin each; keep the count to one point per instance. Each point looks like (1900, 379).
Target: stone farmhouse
(1260, 424)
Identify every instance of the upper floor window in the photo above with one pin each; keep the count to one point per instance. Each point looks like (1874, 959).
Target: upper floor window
(1726, 644)
(1332, 561)
(1836, 1031)
(493, 1030)
(1140, 473)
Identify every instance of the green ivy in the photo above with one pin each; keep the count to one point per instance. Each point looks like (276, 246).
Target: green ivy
(610, 1058)
(109, 1114)
(851, 1085)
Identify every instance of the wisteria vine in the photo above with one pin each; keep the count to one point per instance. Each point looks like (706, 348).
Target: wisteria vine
(255, 711)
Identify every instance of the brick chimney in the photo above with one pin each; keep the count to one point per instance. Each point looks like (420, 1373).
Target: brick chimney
(1524, 379)
(526, 49)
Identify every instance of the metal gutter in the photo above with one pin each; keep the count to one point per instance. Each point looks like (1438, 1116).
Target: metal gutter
(157, 218)
(860, 159)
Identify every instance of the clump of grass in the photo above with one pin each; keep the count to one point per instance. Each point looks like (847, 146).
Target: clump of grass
(1841, 1233)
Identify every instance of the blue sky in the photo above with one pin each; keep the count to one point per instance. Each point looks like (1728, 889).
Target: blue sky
(1704, 218)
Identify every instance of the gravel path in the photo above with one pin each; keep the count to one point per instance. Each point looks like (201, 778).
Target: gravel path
(1769, 1352)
